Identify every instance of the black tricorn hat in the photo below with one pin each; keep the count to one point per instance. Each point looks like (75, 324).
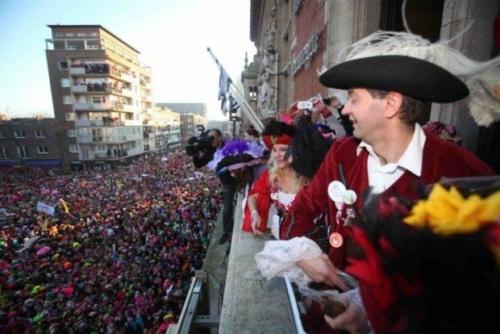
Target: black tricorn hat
(409, 76)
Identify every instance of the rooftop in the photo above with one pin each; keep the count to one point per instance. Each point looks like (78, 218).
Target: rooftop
(94, 26)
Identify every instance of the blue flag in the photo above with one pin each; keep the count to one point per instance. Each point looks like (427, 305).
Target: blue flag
(224, 83)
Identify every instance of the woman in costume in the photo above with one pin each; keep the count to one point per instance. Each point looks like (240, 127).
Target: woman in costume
(243, 159)
(296, 153)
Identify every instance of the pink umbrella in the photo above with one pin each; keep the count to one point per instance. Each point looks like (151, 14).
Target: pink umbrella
(42, 251)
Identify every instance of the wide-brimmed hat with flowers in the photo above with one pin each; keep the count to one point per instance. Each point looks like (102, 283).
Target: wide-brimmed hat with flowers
(236, 154)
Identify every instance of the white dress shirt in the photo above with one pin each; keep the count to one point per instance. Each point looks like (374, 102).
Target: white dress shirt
(381, 176)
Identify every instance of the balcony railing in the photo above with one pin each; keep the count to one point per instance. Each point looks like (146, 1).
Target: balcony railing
(88, 122)
(101, 87)
(108, 138)
(131, 122)
(127, 92)
(127, 77)
(106, 122)
(127, 107)
(94, 106)
(79, 89)
(111, 155)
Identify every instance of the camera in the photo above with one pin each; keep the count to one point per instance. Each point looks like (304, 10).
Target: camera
(200, 143)
(305, 105)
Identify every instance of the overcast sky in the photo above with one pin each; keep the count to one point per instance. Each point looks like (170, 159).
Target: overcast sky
(172, 36)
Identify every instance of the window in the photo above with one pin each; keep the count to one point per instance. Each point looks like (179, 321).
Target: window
(73, 148)
(92, 46)
(4, 154)
(2, 134)
(39, 134)
(101, 148)
(63, 65)
(71, 133)
(82, 34)
(22, 152)
(65, 82)
(20, 133)
(70, 116)
(69, 34)
(42, 149)
(98, 99)
(67, 99)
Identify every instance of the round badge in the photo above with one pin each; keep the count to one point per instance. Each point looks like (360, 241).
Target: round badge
(350, 197)
(336, 190)
(336, 240)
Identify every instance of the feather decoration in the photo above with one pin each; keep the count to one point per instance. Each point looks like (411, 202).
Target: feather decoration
(482, 78)
(236, 147)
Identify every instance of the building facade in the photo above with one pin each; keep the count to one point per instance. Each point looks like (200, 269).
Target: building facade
(296, 39)
(101, 94)
(166, 129)
(186, 107)
(30, 142)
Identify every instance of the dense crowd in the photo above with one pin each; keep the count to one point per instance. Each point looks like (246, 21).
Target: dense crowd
(117, 254)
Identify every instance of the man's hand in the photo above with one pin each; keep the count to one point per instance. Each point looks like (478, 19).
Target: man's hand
(256, 221)
(354, 317)
(321, 269)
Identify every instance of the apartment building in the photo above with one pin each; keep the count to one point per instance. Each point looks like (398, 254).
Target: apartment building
(30, 142)
(162, 129)
(101, 94)
(191, 115)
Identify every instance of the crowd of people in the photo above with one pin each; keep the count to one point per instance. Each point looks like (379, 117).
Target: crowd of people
(117, 253)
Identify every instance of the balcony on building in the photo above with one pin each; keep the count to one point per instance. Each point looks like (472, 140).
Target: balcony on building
(111, 155)
(74, 44)
(79, 88)
(129, 108)
(91, 87)
(79, 69)
(107, 135)
(126, 92)
(105, 121)
(132, 122)
(127, 77)
(94, 106)
(88, 123)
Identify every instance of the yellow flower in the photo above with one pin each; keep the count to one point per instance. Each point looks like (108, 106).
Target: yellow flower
(418, 215)
(447, 212)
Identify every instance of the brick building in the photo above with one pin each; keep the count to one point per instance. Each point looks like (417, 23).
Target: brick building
(295, 39)
(30, 142)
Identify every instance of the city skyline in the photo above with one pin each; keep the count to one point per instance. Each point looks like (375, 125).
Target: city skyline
(171, 36)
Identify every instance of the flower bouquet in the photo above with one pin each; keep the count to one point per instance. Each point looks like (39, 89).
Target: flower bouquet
(432, 265)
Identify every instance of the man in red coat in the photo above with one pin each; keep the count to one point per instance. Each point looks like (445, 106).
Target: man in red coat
(388, 152)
